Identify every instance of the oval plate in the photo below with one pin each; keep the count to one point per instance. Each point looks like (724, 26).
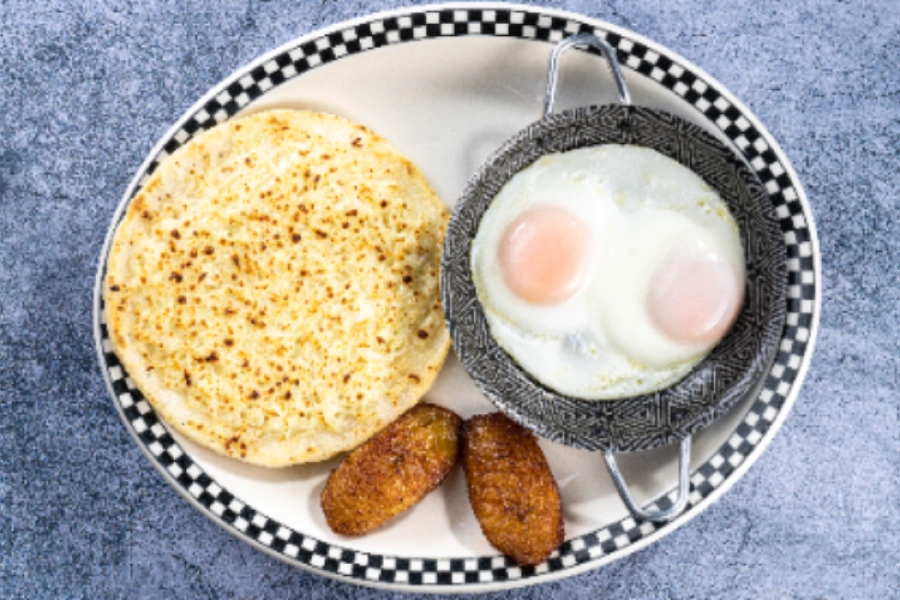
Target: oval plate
(448, 85)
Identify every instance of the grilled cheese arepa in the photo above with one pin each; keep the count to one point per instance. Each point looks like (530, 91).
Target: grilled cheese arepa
(273, 289)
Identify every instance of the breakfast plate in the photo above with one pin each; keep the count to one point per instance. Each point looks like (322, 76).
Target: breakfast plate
(447, 85)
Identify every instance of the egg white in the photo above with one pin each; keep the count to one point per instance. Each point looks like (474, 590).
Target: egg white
(643, 240)
(553, 180)
(639, 205)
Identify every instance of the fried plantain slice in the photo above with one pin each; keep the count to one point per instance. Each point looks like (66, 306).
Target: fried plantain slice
(511, 488)
(392, 471)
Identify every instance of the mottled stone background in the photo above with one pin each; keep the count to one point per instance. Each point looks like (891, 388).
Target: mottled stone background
(86, 89)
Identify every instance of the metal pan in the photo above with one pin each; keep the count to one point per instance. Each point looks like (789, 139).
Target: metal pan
(726, 375)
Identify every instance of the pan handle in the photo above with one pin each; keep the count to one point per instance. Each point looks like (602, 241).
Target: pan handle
(583, 39)
(684, 485)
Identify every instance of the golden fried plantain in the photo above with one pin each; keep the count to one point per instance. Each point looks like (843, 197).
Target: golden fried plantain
(511, 488)
(392, 471)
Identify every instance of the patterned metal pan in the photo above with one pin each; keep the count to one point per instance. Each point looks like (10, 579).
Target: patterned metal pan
(726, 375)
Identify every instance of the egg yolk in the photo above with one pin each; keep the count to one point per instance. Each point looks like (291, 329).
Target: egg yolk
(544, 255)
(694, 298)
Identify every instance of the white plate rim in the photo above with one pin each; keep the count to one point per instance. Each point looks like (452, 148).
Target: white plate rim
(696, 508)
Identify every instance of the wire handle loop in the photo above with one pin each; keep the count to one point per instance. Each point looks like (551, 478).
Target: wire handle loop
(583, 39)
(684, 486)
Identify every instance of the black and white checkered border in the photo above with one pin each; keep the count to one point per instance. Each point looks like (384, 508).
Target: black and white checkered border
(524, 23)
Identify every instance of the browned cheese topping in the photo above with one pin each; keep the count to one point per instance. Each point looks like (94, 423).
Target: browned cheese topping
(273, 290)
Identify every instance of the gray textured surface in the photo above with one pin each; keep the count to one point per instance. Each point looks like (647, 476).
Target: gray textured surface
(87, 88)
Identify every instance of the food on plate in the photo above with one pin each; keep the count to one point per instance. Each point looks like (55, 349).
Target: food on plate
(392, 471)
(608, 271)
(273, 288)
(511, 488)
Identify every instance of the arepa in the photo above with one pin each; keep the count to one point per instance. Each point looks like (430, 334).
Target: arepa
(273, 289)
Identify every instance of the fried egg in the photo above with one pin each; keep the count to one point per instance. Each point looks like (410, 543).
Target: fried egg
(608, 271)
